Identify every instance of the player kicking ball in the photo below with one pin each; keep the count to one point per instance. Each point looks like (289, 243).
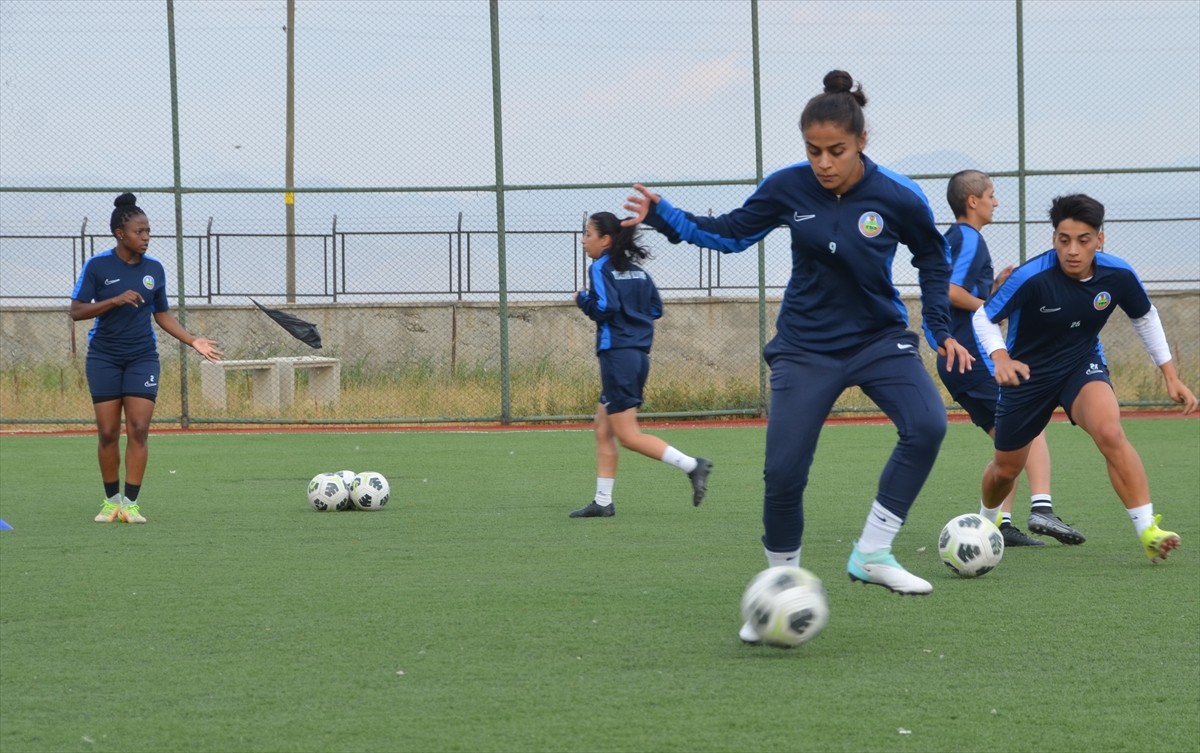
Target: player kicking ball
(1056, 304)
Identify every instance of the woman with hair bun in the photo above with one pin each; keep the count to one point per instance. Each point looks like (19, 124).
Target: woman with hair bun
(841, 323)
(123, 288)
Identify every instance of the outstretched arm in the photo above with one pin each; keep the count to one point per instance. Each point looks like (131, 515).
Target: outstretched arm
(202, 345)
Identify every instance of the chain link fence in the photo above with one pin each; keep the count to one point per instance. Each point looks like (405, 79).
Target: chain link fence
(444, 156)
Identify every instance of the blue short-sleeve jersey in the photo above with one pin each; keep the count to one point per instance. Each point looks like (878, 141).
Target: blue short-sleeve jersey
(1054, 321)
(624, 305)
(123, 330)
(971, 269)
(840, 294)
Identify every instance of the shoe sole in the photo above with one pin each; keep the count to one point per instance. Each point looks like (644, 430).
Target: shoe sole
(700, 492)
(855, 579)
(1165, 547)
(1063, 537)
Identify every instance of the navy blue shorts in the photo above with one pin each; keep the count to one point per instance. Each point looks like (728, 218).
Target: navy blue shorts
(1022, 412)
(113, 377)
(623, 373)
(976, 391)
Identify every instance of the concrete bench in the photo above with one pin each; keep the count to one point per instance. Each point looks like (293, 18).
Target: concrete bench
(324, 378)
(273, 380)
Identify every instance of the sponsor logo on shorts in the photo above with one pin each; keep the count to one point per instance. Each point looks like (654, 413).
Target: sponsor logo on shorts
(903, 346)
(1101, 301)
(151, 383)
(870, 224)
(1094, 368)
(148, 281)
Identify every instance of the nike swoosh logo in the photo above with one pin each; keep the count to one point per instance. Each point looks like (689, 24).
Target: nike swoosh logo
(903, 346)
(110, 282)
(802, 217)
(1045, 310)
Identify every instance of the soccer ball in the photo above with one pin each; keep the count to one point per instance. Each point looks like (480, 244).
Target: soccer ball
(327, 493)
(370, 491)
(786, 606)
(348, 477)
(971, 545)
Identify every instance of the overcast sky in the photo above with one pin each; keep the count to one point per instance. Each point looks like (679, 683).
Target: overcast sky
(399, 93)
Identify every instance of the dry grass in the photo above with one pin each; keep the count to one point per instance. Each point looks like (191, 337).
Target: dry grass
(57, 394)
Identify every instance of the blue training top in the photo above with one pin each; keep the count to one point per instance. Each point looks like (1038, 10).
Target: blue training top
(123, 330)
(970, 269)
(840, 294)
(1054, 321)
(624, 305)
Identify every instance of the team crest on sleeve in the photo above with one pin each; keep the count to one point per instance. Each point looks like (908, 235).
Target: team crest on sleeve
(870, 224)
(1101, 301)
(148, 281)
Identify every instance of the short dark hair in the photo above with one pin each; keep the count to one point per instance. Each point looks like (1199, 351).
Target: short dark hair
(963, 185)
(1077, 206)
(840, 103)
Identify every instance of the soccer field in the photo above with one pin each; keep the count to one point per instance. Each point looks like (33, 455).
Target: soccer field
(473, 615)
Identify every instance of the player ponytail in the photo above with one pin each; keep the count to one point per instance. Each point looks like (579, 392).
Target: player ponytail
(126, 207)
(626, 247)
(841, 103)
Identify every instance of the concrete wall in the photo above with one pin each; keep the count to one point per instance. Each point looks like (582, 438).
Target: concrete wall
(696, 332)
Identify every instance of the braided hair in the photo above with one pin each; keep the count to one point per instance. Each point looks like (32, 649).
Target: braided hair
(126, 208)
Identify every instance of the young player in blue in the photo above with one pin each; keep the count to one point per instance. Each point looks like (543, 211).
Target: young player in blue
(624, 303)
(1056, 304)
(972, 197)
(123, 289)
(841, 322)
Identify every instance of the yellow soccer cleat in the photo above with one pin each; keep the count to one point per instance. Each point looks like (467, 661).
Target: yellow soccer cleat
(108, 513)
(1157, 542)
(131, 514)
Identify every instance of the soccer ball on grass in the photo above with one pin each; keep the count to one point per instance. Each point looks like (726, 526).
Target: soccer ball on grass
(786, 606)
(971, 545)
(328, 493)
(370, 491)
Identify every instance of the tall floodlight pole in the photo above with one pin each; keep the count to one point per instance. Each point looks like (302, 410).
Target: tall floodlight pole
(289, 198)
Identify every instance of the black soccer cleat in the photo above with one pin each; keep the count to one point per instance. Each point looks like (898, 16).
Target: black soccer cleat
(1014, 536)
(593, 510)
(699, 477)
(1049, 524)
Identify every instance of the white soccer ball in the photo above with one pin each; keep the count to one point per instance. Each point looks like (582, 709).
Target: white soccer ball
(328, 493)
(370, 491)
(971, 545)
(348, 477)
(786, 606)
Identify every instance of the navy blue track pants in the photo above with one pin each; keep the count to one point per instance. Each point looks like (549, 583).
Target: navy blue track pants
(804, 387)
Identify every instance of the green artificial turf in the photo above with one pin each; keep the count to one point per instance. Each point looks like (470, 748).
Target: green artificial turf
(472, 615)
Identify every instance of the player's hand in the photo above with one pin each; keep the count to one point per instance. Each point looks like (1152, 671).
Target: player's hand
(954, 352)
(129, 298)
(1009, 373)
(1181, 394)
(639, 204)
(1002, 277)
(207, 348)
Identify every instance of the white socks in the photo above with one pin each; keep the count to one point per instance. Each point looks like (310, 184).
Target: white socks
(1142, 517)
(880, 530)
(604, 487)
(672, 456)
(991, 514)
(775, 559)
